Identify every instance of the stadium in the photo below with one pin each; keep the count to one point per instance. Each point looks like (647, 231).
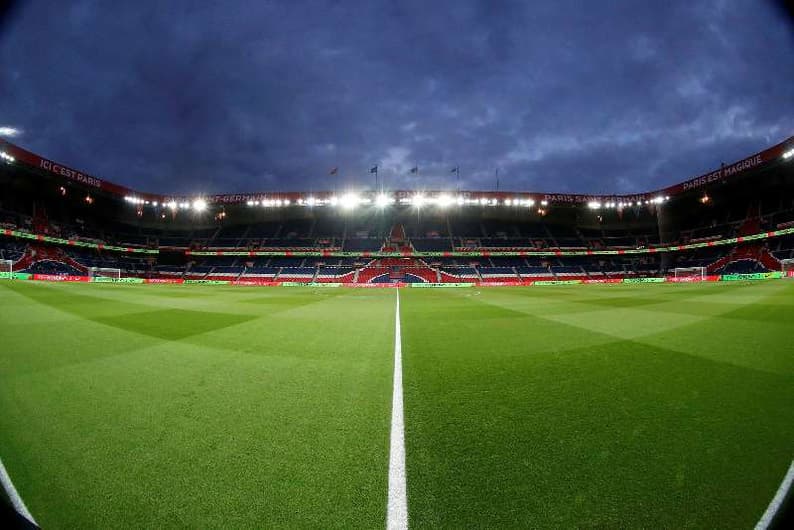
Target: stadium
(213, 361)
(367, 264)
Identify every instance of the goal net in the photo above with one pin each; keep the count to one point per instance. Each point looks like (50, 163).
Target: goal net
(787, 266)
(104, 272)
(692, 274)
(6, 269)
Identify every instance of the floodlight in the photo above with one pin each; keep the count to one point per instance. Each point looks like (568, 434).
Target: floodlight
(199, 205)
(418, 200)
(383, 200)
(445, 200)
(349, 201)
(788, 154)
(544, 203)
(310, 201)
(8, 131)
(594, 205)
(460, 201)
(171, 205)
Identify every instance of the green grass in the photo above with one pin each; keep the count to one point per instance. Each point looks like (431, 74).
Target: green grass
(226, 407)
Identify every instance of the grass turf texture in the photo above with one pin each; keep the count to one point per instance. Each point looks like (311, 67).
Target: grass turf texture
(627, 406)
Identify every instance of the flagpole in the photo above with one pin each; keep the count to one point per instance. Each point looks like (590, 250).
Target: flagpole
(335, 174)
(374, 169)
(497, 179)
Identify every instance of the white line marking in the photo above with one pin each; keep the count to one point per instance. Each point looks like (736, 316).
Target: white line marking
(778, 499)
(16, 500)
(397, 509)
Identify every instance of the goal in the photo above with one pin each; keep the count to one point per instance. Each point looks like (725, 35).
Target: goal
(104, 272)
(6, 269)
(787, 266)
(692, 274)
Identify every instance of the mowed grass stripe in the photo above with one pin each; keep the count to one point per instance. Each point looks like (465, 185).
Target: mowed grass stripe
(281, 420)
(504, 429)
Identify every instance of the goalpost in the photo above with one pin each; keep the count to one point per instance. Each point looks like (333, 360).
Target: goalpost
(787, 266)
(6, 269)
(104, 272)
(692, 274)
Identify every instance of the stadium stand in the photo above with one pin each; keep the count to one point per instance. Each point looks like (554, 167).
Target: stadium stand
(477, 242)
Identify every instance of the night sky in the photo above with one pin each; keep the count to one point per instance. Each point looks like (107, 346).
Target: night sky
(563, 96)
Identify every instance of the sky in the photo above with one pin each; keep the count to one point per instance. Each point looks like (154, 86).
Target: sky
(559, 96)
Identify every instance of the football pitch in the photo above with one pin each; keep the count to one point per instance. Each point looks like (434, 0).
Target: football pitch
(650, 405)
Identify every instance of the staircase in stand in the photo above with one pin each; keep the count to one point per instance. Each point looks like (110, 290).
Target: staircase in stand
(752, 251)
(397, 269)
(36, 253)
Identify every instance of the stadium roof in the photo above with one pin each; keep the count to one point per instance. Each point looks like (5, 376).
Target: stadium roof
(12, 153)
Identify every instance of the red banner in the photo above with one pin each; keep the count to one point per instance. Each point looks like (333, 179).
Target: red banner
(60, 278)
(504, 284)
(36, 161)
(725, 172)
(269, 283)
(371, 285)
(690, 279)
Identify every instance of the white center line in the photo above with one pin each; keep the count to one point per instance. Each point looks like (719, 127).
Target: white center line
(397, 508)
(11, 491)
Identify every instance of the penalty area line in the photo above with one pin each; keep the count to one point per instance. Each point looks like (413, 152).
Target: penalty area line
(11, 491)
(777, 500)
(397, 507)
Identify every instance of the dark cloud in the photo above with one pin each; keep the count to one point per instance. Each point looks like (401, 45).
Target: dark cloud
(187, 96)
